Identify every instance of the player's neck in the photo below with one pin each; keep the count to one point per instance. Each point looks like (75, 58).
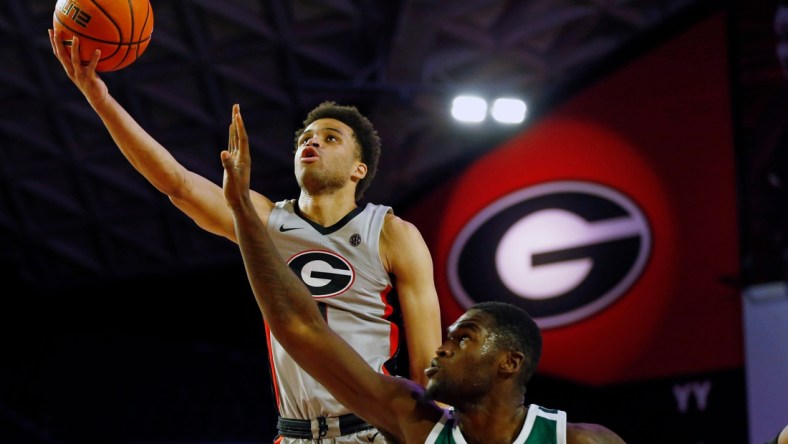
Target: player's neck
(496, 423)
(326, 209)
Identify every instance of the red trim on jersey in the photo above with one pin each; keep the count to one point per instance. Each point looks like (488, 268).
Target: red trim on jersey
(394, 332)
(273, 367)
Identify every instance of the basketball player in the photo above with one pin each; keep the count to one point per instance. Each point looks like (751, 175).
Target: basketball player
(481, 369)
(351, 257)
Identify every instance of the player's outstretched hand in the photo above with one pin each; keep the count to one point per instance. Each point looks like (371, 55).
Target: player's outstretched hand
(237, 162)
(84, 76)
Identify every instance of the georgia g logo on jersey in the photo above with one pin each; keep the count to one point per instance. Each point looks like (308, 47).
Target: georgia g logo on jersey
(326, 274)
(560, 250)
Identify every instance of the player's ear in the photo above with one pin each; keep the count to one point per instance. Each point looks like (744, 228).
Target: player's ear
(512, 363)
(360, 171)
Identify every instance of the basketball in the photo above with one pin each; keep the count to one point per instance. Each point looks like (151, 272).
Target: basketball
(120, 29)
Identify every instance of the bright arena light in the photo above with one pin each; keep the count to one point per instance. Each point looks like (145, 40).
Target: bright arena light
(507, 110)
(470, 109)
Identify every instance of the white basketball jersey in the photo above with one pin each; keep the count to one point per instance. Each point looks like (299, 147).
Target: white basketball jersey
(341, 265)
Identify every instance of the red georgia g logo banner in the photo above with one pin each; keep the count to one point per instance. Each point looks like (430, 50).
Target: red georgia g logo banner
(560, 250)
(613, 219)
(570, 222)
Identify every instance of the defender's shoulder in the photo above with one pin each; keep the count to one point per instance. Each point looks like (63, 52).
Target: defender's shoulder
(586, 433)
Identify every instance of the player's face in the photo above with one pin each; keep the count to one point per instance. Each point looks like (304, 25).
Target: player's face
(465, 366)
(781, 32)
(327, 157)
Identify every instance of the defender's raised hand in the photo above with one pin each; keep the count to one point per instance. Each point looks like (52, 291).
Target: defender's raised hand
(237, 162)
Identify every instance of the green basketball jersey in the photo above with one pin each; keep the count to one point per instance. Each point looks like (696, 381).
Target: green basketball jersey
(542, 426)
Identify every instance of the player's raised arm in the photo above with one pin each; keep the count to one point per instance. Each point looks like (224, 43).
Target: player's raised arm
(196, 196)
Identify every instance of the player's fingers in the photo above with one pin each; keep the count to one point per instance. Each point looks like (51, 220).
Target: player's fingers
(54, 40)
(51, 34)
(60, 52)
(76, 62)
(233, 142)
(94, 60)
(227, 159)
(241, 129)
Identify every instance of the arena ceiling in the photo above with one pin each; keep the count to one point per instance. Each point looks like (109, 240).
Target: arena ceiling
(72, 210)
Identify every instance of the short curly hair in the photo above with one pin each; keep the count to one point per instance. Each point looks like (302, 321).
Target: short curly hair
(515, 330)
(364, 132)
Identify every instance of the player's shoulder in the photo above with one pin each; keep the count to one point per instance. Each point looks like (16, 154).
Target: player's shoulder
(263, 205)
(400, 241)
(587, 433)
(399, 228)
(260, 201)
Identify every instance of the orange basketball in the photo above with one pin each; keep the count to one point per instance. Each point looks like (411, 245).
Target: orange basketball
(121, 29)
